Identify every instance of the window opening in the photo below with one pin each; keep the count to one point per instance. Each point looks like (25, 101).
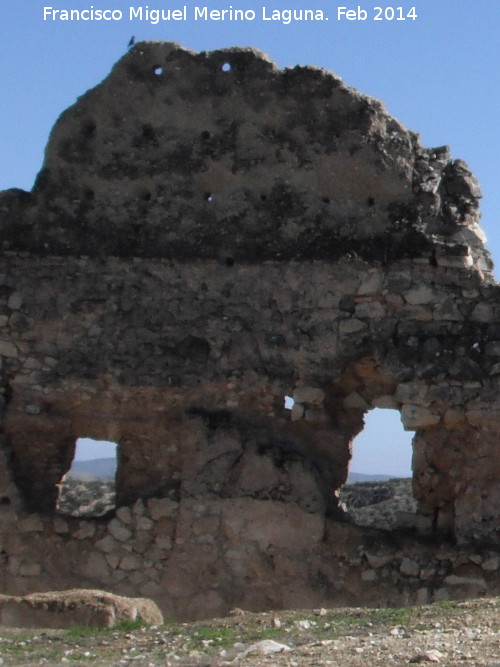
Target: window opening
(378, 492)
(88, 488)
(288, 402)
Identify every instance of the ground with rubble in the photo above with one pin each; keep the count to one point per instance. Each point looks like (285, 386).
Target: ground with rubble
(449, 633)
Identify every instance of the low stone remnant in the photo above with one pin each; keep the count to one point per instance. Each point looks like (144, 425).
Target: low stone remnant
(202, 242)
(78, 607)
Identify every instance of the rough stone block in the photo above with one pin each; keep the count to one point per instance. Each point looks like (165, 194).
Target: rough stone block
(371, 310)
(378, 560)
(386, 402)
(492, 564)
(310, 395)
(412, 392)
(125, 515)
(409, 567)
(351, 326)
(95, 567)
(416, 417)
(472, 582)
(316, 416)
(108, 544)
(130, 562)
(143, 523)
(31, 524)
(420, 295)
(354, 400)
(162, 507)
(7, 349)
(30, 569)
(119, 531)
(79, 607)
(60, 526)
(372, 284)
(15, 301)
(297, 412)
(86, 529)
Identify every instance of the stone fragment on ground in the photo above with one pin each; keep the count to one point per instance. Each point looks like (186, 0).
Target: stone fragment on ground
(76, 607)
(264, 647)
(428, 656)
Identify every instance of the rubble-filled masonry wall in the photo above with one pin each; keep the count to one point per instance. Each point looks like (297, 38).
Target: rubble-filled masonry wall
(208, 235)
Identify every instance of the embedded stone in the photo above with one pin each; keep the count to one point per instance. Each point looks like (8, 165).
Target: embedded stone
(372, 284)
(143, 523)
(8, 349)
(86, 529)
(420, 295)
(414, 392)
(29, 570)
(31, 524)
(377, 560)
(161, 507)
(164, 542)
(297, 412)
(108, 544)
(119, 531)
(372, 310)
(386, 402)
(15, 301)
(492, 349)
(474, 582)
(130, 562)
(310, 395)
(60, 526)
(317, 416)
(483, 312)
(96, 567)
(492, 564)
(354, 400)
(409, 567)
(415, 417)
(124, 514)
(113, 559)
(448, 310)
(347, 327)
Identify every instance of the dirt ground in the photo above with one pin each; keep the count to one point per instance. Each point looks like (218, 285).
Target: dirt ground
(447, 633)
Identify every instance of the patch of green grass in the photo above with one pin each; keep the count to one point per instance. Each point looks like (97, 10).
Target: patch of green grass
(122, 626)
(423, 627)
(339, 622)
(128, 626)
(78, 658)
(265, 633)
(220, 637)
(447, 605)
(390, 615)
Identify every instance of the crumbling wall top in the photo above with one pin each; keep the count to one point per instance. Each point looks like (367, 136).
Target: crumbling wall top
(222, 155)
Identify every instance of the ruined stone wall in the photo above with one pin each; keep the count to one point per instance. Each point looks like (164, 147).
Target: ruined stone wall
(207, 236)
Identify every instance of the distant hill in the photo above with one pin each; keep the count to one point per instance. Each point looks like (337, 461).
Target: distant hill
(355, 477)
(105, 469)
(93, 469)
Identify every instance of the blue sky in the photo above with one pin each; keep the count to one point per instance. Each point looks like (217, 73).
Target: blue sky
(438, 74)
